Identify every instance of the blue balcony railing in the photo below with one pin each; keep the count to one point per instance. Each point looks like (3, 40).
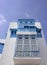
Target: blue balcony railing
(26, 21)
(29, 30)
(27, 54)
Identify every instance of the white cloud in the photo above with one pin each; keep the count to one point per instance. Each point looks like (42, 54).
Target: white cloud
(2, 19)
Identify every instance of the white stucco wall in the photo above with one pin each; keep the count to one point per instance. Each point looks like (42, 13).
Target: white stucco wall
(9, 49)
(0, 56)
(43, 50)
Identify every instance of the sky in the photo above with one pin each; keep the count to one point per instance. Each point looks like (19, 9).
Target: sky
(12, 10)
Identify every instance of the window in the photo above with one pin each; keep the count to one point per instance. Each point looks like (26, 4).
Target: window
(34, 49)
(26, 43)
(26, 22)
(26, 36)
(19, 36)
(31, 22)
(20, 22)
(26, 26)
(19, 43)
(26, 39)
(34, 45)
(32, 27)
(19, 39)
(26, 46)
(38, 30)
(32, 36)
(13, 32)
(1, 47)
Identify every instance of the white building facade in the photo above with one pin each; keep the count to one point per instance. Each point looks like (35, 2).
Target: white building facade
(24, 44)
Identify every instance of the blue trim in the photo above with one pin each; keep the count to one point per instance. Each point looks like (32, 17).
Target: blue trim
(13, 33)
(38, 30)
(1, 47)
(33, 20)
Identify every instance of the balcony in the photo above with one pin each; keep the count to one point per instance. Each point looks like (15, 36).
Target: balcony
(27, 57)
(27, 31)
(27, 51)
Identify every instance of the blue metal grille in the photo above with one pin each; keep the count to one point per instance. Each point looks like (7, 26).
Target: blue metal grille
(27, 54)
(26, 46)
